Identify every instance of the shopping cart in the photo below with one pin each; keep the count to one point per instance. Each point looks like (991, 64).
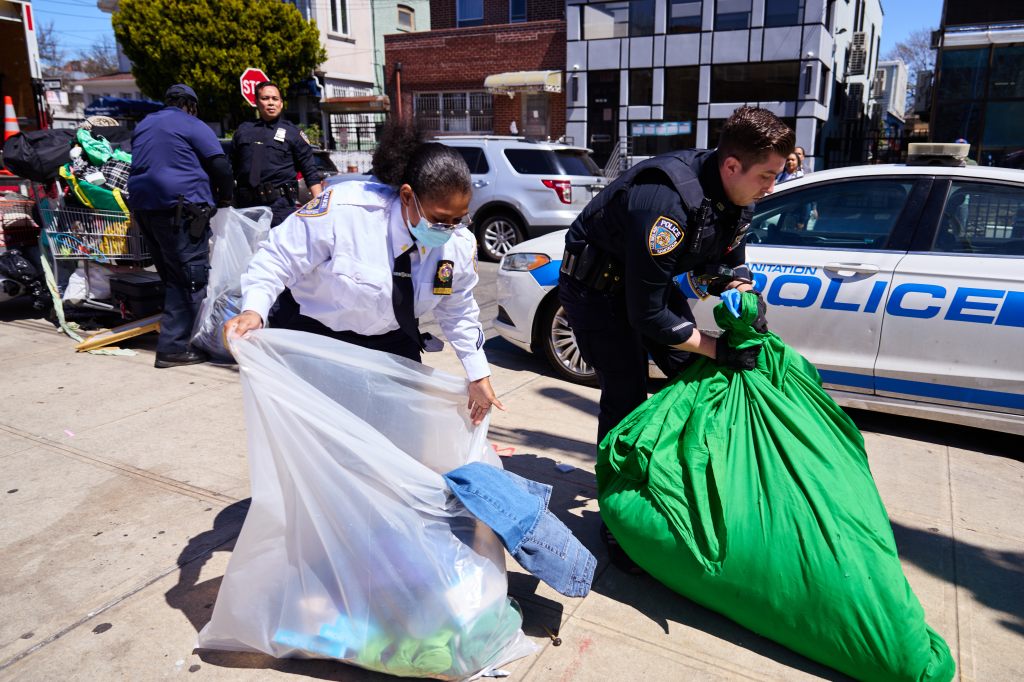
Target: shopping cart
(93, 236)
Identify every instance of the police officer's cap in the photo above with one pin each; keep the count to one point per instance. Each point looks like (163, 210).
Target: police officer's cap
(181, 90)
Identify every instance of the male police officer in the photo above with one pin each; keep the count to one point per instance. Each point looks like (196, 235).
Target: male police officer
(175, 160)
(681, 212)
(266, 154)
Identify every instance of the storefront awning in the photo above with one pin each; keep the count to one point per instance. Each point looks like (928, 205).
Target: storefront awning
(365, 104)
(523, 81)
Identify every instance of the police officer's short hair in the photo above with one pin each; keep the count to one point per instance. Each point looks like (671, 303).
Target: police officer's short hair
(752, 134)
(267, 84)
(432, 169)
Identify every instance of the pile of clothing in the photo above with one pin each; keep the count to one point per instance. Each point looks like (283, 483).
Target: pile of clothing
(97, 175)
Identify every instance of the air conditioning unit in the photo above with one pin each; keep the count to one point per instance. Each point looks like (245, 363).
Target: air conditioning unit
(858, 54)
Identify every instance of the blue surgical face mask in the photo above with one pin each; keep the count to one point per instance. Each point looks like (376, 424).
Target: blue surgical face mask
(427, 234)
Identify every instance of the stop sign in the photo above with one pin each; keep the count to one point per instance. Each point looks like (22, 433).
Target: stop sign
(249, 80)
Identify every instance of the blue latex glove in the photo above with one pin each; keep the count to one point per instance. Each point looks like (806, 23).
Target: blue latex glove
(732, 298)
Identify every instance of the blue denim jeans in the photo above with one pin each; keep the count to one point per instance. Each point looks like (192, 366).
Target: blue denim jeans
(516, 509)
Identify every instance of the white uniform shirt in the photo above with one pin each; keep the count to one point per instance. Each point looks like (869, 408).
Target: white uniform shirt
(336, 254)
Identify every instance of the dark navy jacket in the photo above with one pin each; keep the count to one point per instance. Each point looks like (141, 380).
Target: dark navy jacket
(169, 150)
(664, 217)
(286, 153)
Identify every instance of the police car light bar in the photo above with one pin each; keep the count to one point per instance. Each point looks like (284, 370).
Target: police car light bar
(937, 154)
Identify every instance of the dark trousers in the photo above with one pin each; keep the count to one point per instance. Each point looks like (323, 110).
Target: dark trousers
(183, 266)
(280, 207)
(617, 352)
(285, 315)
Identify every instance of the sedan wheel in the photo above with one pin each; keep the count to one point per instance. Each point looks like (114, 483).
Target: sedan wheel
(559, 344)
(498, 234)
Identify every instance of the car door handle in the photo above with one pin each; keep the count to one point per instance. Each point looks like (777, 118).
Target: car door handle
(859, 268)
(480, 183)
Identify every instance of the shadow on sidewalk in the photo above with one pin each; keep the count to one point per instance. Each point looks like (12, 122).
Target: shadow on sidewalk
(940, 433)
(994, 577)
(573, 500)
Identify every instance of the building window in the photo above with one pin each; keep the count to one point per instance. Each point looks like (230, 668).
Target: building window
(406, 18)
(641, 87)
(469, 12)
(618, 19)
(715, 126)
(823, 87)
(454, 112)
(1007, 72)
(516, 11)
(339, 16)
(684, 16)
(783, 12)
(681, 87)
(732, 14)
(963, 74)
(755, 82)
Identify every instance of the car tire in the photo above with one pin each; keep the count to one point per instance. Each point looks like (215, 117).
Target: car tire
(497, 234)
(557, 342)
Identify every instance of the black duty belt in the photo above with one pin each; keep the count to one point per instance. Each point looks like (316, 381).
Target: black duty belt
(266, 193)
(593, 268)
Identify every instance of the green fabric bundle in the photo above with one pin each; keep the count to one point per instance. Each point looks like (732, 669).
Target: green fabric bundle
(750, 493)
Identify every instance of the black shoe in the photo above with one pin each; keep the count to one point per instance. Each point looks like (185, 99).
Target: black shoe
(188, 357)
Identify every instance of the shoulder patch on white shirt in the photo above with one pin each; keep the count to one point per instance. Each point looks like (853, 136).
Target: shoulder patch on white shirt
(316, 207)
(664, 237)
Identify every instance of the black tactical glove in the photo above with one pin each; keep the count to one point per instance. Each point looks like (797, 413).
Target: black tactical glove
(760, 324)
(735, 358)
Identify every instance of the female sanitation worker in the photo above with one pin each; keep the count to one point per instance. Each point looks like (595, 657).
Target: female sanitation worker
(364, 260)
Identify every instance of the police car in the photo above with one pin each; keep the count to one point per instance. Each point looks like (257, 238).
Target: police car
(904, 285)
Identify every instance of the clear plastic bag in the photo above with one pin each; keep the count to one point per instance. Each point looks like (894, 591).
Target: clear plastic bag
(354, 548)
(237, 232)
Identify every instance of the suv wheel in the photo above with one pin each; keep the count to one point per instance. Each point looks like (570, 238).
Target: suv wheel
(559, 344)
(497, 234)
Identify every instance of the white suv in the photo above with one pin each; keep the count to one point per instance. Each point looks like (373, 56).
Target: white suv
(522, 188)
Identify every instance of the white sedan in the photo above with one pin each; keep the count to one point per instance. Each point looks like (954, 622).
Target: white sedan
(904, 285)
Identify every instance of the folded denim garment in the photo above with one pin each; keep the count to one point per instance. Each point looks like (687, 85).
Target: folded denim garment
(516, 509)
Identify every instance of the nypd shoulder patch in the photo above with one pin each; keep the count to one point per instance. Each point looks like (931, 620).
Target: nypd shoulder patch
(317, 206)
(665, 236)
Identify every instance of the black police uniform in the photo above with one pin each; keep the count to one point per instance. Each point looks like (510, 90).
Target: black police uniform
(664, 217)
(178, 168)
(265, 156)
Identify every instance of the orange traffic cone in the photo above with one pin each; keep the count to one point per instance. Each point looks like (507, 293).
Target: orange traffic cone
(10, 119)
(10, 125)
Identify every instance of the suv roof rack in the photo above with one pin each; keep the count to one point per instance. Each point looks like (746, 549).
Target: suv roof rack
(949, 154)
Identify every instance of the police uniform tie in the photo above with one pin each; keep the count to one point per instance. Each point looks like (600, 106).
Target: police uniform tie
(403, 297)
(259, 153)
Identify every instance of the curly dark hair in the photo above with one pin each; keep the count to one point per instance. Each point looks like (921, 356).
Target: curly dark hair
(186, 104)
(752, 134)
(433, 170)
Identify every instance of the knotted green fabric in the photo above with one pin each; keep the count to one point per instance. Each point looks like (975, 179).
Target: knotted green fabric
(750, 493)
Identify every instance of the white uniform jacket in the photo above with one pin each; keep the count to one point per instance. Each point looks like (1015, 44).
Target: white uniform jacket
(337, 253)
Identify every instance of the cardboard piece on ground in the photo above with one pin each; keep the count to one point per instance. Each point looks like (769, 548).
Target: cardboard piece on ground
(125, 331)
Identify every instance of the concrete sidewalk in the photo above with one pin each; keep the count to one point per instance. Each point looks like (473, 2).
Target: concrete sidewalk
(124, 488)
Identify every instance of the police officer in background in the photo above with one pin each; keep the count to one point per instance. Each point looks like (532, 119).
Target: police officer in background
(179, 174)
(266, 154)
(681, 212)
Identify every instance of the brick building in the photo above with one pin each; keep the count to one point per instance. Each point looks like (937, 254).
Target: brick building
(483, 65)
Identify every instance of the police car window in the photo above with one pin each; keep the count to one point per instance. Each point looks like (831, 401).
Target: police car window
(475, 159)
(532, 161)
(982, 219)
(849, 215)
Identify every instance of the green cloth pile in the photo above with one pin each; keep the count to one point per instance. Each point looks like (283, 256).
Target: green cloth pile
(750, 493)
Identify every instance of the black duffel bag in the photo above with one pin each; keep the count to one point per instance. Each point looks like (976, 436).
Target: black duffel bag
(38, 154)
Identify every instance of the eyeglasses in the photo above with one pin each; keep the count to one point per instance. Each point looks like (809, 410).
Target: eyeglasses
(464, 221)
